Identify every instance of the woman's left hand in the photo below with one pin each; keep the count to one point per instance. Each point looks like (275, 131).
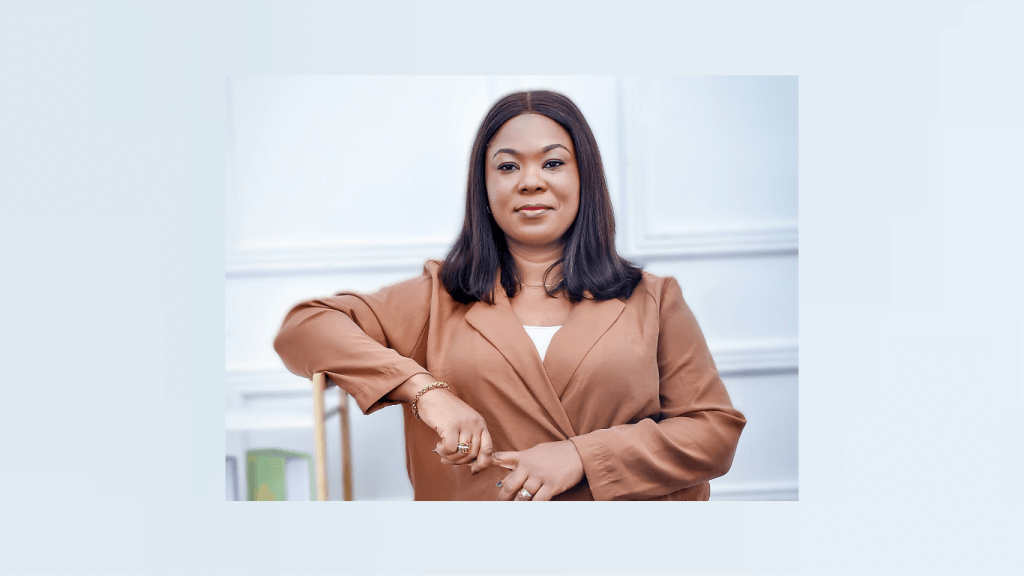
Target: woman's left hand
(545, 470)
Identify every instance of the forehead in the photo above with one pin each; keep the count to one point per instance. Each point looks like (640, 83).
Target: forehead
(530, 132)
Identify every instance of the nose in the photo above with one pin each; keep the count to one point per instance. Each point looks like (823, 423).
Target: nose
(532, 180)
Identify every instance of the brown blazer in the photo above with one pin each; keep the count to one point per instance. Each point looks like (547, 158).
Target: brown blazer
(631, 383)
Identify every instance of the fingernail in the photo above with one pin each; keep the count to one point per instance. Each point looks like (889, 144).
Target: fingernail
(498, 484)
(434, 451)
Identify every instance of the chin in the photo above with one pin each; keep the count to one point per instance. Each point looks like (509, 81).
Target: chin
(538, 239)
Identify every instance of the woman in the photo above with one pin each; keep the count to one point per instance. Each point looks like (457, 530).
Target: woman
(533, 363)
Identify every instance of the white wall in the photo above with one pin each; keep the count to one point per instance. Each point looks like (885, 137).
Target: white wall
(703, 175)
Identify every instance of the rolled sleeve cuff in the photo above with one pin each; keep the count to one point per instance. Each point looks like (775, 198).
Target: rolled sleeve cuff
(597, 465)
(369, 393)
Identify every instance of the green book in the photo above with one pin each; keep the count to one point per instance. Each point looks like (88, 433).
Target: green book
(275, 474)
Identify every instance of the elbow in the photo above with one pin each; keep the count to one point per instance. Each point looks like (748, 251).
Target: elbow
(724, 464)
(289, 350)
(281, 346)
(283, 340)
(280, 343)
(729, 429)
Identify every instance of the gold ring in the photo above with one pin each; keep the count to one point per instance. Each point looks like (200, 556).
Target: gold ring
(524, 495)
(463, 447)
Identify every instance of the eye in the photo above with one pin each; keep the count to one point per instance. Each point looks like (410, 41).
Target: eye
(506, 167)
(553, 163)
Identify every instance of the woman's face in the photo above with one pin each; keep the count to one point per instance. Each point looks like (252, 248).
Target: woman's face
(533, 183)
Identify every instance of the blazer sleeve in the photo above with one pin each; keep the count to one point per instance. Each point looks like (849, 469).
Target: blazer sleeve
(362, 341)
(695, 435)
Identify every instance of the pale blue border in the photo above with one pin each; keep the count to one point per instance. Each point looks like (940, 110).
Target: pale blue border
(111, 226)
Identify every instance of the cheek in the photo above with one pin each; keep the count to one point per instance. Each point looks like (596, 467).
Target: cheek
(571, 193)
(574, 204)
(571, 202)
(495, 194)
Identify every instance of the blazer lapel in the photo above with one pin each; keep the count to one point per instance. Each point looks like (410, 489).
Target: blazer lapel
(499, 324)
(589, 320)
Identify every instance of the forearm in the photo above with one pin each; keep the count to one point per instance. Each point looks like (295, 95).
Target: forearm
(318, 338)
(406, 391)
(650, 459)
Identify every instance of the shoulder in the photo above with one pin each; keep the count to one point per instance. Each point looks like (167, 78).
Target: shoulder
(432, 268)
(656, 295)
(432, 275)
(414, 292)
(427, 279)
(656, 287)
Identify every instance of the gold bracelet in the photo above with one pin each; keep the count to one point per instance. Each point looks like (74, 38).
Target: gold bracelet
(425, 389)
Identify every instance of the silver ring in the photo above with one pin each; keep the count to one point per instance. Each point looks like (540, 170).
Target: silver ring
(463, 447)
(524, 495)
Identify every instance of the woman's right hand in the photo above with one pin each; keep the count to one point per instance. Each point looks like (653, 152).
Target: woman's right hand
(453, 420)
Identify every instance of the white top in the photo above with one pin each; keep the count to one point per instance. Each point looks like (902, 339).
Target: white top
(541, 336)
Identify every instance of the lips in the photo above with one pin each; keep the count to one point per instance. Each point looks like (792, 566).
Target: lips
(533, 211)
(533, 208)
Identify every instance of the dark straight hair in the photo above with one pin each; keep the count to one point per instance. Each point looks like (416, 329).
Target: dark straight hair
(589, 260)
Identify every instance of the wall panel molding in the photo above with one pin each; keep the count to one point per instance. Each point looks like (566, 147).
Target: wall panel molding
(784, 490)
(735, 239)
(727, 240)
(640, 241)
(256, 259)
(270, 399)
(753, 357)
(253, 383)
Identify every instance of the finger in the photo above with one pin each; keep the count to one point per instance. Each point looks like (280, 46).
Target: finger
(442, 451)
(484, 459)
(443, 459)
(506, 459)
(456, 456)
(466, 442)
(532, 485)
(446, 445)
(543, 494)
(512, 484)
(474, 449)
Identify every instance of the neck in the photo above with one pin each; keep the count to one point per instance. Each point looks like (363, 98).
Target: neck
(533, 262)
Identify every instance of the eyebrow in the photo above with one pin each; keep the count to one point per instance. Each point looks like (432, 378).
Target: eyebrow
(547, 148)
